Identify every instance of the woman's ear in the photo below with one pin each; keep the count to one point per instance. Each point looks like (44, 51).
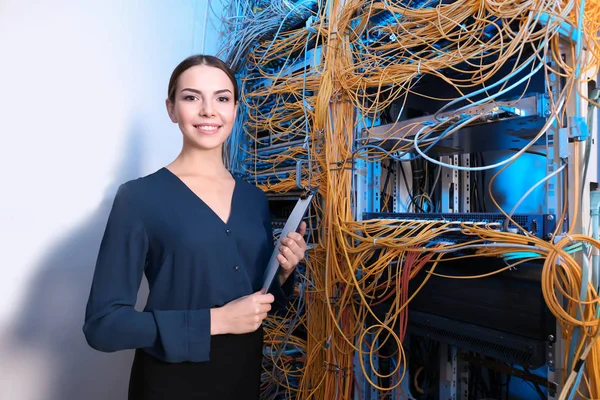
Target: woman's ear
(171, 111)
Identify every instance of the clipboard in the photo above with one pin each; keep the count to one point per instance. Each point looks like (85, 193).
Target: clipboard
(291, 225)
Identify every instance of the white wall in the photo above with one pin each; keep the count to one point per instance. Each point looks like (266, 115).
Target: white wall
(82, 89)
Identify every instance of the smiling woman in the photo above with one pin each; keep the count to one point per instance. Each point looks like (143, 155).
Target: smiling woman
(203, 239)
(203, 96)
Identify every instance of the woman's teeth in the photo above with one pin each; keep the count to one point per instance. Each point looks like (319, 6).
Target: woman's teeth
(207, 128)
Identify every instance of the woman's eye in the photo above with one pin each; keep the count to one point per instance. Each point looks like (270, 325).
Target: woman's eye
(190, 98)
(223, 99)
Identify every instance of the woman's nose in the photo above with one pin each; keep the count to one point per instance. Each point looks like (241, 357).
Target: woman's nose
(207, 108)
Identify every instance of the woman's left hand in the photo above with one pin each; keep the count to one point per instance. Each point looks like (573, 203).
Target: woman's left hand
(291, 252)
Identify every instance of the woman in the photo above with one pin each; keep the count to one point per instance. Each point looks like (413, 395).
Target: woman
(203, 238)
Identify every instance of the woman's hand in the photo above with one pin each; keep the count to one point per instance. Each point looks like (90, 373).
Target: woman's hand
(243, 315)
(291, 252)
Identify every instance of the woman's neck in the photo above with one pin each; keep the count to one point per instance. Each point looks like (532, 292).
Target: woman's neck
(193, 161)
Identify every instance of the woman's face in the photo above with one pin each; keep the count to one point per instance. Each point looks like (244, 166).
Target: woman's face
(204, 106)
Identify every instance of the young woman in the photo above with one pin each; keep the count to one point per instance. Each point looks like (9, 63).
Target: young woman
(203, 238)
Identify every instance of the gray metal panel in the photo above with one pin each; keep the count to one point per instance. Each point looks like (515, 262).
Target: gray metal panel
(465, 184)
(504, 125)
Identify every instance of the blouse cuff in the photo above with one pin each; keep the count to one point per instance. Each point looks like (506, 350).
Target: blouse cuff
(198, 338)
(283, 293)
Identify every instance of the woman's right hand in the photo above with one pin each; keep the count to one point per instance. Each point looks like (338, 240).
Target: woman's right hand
(242, 315)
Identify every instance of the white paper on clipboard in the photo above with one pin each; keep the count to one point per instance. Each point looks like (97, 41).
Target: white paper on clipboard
(292, 223)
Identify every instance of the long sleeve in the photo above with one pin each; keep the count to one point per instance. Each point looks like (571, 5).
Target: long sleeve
(282, 293)
(111, 322)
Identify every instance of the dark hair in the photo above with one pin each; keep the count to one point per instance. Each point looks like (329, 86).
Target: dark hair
(200, 59)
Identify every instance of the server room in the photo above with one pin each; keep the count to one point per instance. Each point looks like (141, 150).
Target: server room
(300, 200)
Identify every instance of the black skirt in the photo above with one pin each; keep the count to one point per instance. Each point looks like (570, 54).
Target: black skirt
(233, 372)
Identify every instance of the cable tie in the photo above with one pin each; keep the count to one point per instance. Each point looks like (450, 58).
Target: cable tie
(306, 105)
(328, 367)
(558, 238)
(309, 23)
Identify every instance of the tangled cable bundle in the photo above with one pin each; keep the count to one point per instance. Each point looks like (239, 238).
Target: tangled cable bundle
(314, 71)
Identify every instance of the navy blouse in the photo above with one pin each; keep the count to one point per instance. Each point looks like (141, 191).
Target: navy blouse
(193, 262)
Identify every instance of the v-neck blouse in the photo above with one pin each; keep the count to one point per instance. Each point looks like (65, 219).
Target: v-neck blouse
(193, 260)
(199, 199)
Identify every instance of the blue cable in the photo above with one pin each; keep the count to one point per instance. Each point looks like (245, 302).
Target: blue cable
(400, 156)
(281, 25)
(577, 381)
(507, 89)
(477, 92)
(579, 45)
(585, 275)
(446, 132)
